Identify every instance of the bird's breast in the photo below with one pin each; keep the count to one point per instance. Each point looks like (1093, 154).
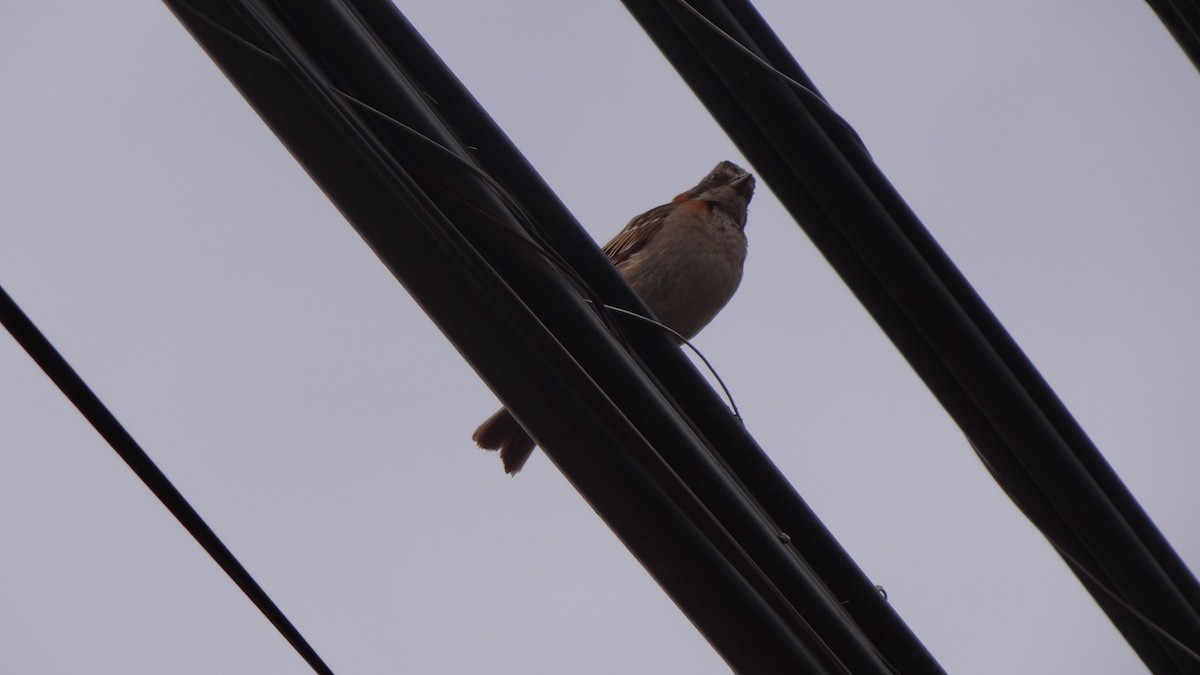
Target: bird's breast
(690, 270)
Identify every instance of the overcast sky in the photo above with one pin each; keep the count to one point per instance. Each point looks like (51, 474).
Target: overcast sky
(181, 260)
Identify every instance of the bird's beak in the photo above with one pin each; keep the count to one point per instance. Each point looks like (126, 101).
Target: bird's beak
(744, 184)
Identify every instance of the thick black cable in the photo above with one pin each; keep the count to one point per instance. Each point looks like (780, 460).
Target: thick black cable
(333, 39)
(512, 313)
(96, 413)
(1182, 20)
(1012, 478)
(822, 174)
(805, 531)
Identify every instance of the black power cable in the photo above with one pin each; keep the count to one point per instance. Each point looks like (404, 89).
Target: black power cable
(1182, 20)
(346, 85)
(809, 538)
(461, 251)
(1023, 433)
(90, 406)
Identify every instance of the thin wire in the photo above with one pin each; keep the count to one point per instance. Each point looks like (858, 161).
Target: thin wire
(1154, 627)
(531, 226)
(94, 411)
(685, 341)
(763, 63)
(1100, 583)
(446, 152)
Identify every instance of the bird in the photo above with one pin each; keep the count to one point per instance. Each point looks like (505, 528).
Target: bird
(684, 259)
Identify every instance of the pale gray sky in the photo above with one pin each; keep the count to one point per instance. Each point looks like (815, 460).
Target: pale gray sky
(188, 268)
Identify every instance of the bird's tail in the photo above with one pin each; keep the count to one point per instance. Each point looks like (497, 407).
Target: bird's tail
(501, 432)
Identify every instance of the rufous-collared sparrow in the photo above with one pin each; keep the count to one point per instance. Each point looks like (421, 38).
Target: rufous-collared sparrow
(684, 259)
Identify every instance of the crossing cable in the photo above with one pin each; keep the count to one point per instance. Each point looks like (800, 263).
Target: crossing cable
(93, 409)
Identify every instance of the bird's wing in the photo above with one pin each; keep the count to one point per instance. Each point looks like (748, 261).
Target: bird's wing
(635, 235)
